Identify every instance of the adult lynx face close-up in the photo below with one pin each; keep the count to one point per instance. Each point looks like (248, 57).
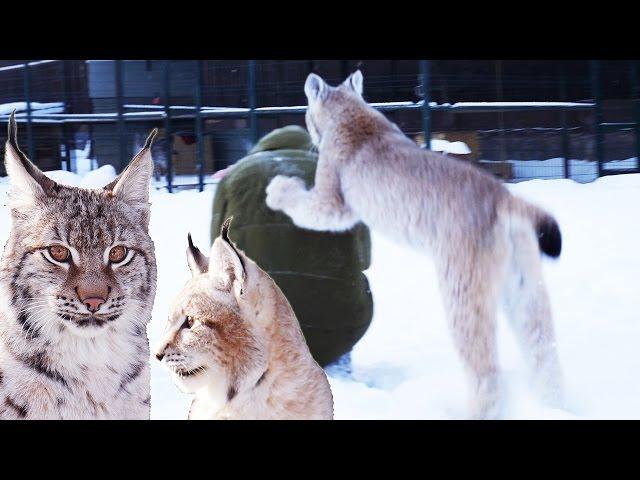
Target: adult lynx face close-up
(78, 279)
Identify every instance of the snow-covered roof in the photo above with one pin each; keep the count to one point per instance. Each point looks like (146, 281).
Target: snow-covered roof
(53, 112)
(518, 104)
(51, 107)
(18, 66)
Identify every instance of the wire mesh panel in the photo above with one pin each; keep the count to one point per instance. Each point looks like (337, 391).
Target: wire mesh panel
(224, 83)
(85, 114)
(619, 148)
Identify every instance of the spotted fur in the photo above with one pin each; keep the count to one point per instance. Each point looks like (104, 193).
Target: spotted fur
(59, 360)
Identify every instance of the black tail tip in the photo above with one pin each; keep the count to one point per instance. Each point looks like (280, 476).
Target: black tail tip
(549, 237)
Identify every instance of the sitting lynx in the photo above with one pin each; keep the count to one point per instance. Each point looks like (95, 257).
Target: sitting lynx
(233, 340)
(486, 243)
(77, 283)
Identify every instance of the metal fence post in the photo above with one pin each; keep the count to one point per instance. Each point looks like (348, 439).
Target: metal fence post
(595, 88)
(27, 98)
(253, 119)
(426, 109)
(167, 124)
(636, 107)
(122, 144)
(563, 118)
(199, 136)
(67, 130)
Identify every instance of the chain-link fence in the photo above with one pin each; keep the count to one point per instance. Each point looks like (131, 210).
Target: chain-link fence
(518, 119)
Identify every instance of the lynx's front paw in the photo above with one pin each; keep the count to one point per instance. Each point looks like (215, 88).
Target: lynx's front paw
(282, 191)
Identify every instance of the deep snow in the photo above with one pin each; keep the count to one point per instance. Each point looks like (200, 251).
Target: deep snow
(406, 366)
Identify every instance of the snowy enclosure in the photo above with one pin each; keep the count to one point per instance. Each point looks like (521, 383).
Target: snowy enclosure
(406, 366)
(553, 168)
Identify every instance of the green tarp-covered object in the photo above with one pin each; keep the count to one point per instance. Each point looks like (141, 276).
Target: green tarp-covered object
(320, 273)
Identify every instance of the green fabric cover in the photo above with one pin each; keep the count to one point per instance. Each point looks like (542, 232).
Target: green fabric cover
(320, 273)
(289, 137)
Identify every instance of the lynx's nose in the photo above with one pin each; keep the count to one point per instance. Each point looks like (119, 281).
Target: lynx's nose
(93, 297)
(93, 304)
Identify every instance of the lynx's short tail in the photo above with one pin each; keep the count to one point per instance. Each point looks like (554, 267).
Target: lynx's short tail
(546, 227)
(549, 237)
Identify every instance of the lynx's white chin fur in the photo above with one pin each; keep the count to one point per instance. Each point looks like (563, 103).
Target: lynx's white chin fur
(93, 330)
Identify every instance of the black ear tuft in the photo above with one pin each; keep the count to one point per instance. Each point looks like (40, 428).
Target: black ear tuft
(49, 186)
(224, 234)
(13, 137)
(195, 251)
(13, 130)
(150, 138)
(197, 262)
(224, 231)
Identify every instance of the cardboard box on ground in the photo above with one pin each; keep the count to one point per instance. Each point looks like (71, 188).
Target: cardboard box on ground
(503, 170)
(185, 153)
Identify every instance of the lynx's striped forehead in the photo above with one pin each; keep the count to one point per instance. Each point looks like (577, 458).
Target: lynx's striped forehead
(83, 218)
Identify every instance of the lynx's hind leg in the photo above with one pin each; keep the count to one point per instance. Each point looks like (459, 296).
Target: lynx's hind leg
(526, 304)
(470, 286)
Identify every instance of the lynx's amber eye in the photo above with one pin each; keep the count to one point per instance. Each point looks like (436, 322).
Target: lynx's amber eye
(188, 322)
(117, 254)
(59, 253)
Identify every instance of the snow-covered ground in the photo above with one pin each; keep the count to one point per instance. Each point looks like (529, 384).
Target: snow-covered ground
(582, 171)
(406, 366)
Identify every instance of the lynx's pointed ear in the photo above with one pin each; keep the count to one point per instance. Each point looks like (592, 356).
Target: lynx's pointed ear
(132, 185)
(226, 266)
(28, 184)
(315, 88)
(354, 82)
(198, 263)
